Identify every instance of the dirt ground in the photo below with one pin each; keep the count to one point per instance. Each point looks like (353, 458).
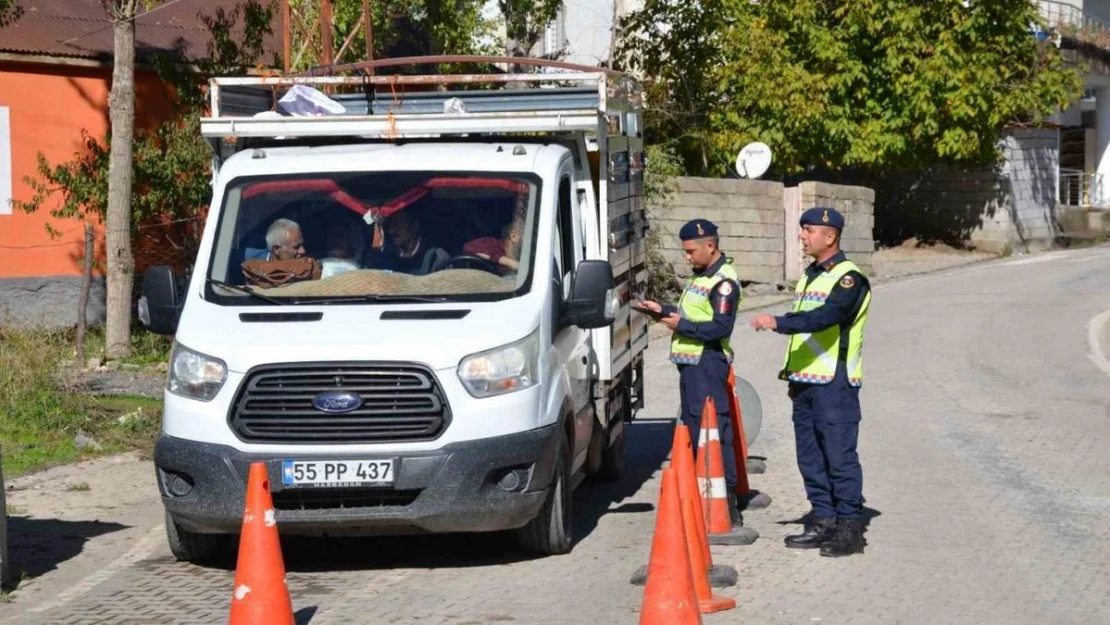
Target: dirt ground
(910, 258)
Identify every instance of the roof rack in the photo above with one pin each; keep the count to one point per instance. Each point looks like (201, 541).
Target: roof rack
(564, 99)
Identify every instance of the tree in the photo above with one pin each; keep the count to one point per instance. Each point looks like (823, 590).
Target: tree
(400, 27)
(121, 113)
(10, 11)
(171, 168)
(525, 23)
(846, 86)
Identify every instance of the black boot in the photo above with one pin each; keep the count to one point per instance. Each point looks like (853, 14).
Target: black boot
(816, 533)
(847, 540)
(734, 510)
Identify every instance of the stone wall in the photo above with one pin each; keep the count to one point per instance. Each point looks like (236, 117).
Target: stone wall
(749, 214)
(1011, 206)
(758, 222)
(857, 204)
(49, 301)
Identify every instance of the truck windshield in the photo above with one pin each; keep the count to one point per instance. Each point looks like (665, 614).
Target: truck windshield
(374, 236)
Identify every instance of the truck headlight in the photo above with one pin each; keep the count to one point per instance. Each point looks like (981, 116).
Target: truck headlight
(195, 375)
(505, 369)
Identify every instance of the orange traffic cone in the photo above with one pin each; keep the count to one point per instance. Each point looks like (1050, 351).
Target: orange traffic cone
(260, 595)
(708, 603)
(682, 460)
(749, 499)
(711, 473)
(669, 598)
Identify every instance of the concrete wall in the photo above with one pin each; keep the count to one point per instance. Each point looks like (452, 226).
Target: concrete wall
(1031, 176)
(758, 223)
(748, 213)
(857, 204)
(49, 301)
(1009, 206)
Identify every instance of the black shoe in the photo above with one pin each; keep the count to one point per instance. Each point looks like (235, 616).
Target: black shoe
(734, 510)
(847, 540)
(816, 533)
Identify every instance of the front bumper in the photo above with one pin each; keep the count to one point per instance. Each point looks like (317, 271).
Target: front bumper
(454, 489)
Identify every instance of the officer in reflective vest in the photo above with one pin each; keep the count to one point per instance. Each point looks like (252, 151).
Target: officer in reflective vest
(702, 323)
(824, 368)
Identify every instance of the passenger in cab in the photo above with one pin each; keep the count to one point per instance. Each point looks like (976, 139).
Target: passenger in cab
(286, 262)
(284, 240)
(410, 254)
(342, 252)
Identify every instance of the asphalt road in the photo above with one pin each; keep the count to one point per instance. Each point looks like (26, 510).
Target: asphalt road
(986, 423)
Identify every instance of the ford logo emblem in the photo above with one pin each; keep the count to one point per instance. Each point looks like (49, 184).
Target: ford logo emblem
(337, 402)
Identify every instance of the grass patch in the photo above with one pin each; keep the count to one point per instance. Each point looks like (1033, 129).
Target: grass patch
(39, 422)
(147, 348)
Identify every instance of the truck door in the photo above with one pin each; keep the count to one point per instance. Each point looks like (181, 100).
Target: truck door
(573, 342)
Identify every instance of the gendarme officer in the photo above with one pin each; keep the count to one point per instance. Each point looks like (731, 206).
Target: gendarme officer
(824, 368)
(702, 323)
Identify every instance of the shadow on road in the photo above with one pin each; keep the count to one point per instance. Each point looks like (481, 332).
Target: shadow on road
(868, 515)
(304, 615)
(38, 546)
(648, 445)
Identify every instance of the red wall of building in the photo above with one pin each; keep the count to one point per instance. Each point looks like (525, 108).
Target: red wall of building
(49, 105)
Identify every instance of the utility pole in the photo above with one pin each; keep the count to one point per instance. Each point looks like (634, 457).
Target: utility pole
(309, 34)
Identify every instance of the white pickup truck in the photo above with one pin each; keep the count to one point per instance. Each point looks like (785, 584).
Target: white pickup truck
(463, 351)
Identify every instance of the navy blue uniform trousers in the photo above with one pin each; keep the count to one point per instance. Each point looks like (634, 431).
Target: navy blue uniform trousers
(708, 378)
(826, 429)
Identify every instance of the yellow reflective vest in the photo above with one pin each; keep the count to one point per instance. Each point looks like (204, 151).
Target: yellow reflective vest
(695, 306)
(812, 358)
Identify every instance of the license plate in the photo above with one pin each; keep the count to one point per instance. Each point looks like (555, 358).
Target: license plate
(337, 473)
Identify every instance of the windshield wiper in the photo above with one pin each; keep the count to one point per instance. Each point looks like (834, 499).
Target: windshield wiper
(244, 290)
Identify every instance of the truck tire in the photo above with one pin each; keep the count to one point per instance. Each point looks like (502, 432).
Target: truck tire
(549, 533)
(195, 547)
(612, 460)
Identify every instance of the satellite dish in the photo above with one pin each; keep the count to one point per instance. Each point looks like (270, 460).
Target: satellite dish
(753, 160)
(751, 409)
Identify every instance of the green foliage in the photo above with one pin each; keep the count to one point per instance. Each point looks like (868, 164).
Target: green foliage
(673, 45)
(400, 28)
(40, 417)
(662, 167)
(10, 11)
(861, 84)
(172, 163)
(525, 21)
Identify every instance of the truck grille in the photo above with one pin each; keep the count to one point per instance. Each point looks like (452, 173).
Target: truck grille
(399, 403)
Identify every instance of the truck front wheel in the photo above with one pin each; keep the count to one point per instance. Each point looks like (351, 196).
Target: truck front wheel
(549, 533)
(195, 547)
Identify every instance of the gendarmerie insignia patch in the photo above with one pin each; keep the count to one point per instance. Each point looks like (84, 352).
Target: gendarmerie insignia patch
(725, 288)
(847, 282)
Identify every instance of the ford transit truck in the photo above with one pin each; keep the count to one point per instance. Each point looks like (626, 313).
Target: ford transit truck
(411, 301)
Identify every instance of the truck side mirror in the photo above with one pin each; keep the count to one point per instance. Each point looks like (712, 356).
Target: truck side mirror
(159, 305)
(593, 299)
